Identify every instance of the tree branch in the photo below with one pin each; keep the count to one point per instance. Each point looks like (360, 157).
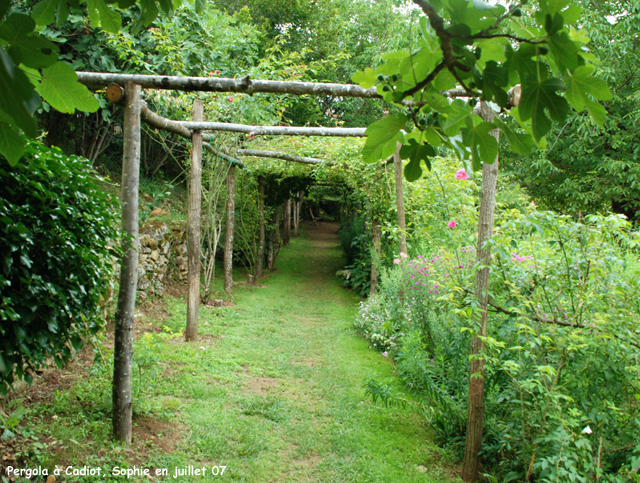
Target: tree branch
(544, 320)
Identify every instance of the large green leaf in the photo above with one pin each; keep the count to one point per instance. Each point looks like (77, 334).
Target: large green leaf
(17, 94)
(366, 78)
(456, 119)
(484, 147)
(564, 50)
(61, 89)
(380, 133)
(104, 16)
(44, 12)
(26, 46)
(521, 143)
(553, 6)
(11, 143)
(538, 96)
(581, 86)
(494, 78)
(416, 152)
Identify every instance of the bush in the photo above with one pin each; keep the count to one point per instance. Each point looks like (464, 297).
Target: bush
(562, 392)
(57, 225)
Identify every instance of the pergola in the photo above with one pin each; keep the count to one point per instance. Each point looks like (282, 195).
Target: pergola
(126, 89)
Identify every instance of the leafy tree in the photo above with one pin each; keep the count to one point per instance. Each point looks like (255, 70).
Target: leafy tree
(587, 167)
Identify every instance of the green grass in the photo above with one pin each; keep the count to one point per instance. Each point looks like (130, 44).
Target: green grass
(273, 390)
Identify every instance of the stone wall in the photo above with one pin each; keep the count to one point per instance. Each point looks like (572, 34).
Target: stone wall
(163, 257)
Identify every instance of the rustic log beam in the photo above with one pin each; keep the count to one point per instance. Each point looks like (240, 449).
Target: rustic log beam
(214, 84)
(155, 120)
(278, 155)
(275, 130)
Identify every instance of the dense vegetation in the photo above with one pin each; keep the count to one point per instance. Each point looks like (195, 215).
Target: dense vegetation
(559, 341)
(58, 226)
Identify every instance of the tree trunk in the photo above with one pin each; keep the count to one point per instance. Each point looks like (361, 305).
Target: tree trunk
(123, 343)
(228, 236)
(261, 234)
(402, 223)
(193, 223)
(475, 416)
(376, 250)
(286, 232)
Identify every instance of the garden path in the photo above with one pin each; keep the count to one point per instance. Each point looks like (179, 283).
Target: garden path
(294, 409)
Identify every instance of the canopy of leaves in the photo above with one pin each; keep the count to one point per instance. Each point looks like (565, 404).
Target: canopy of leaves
(480, 51)
(593, 165)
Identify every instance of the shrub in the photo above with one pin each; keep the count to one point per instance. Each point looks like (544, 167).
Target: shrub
(57, 225)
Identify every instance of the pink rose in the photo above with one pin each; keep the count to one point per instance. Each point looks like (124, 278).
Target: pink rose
(452, 224)
(396, 261)
(461, 174)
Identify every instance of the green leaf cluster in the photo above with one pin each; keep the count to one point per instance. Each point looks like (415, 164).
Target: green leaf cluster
(482, 51)
(57, 228)
(31, 69)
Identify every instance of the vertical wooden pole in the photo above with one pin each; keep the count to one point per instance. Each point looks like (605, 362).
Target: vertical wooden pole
(193, 226)
(123, 336)
(297, 212)
(274, 239)
(261, 233)
(286, 232)
(475, 415)
(402, 223)
(228, 235)
(376, 250)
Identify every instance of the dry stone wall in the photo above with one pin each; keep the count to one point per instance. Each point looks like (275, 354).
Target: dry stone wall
(163, 258)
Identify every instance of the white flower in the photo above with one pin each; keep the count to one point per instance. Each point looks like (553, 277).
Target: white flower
(587, 430)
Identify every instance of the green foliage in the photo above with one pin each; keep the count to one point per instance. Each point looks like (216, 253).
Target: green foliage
(483, 50)
(57, 229)
(592, 163)
(562, 358)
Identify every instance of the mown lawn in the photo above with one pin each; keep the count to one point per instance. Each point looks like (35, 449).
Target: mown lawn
(272, 391)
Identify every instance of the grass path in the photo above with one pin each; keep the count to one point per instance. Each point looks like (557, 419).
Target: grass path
(280, 397)
(272, 390)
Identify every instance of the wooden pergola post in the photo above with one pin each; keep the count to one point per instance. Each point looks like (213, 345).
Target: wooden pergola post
(228, 235)
(123, 335)
(376, 250)
(193, 227)
(261, 233)
(286, 232)
(402, 223)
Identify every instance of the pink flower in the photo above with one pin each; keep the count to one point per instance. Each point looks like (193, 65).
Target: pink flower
(158, 328)
(385, 353)
(452, 224)
(403, 255)
(216, 72)
(230, 98)
(461, 174)
(396, 261)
